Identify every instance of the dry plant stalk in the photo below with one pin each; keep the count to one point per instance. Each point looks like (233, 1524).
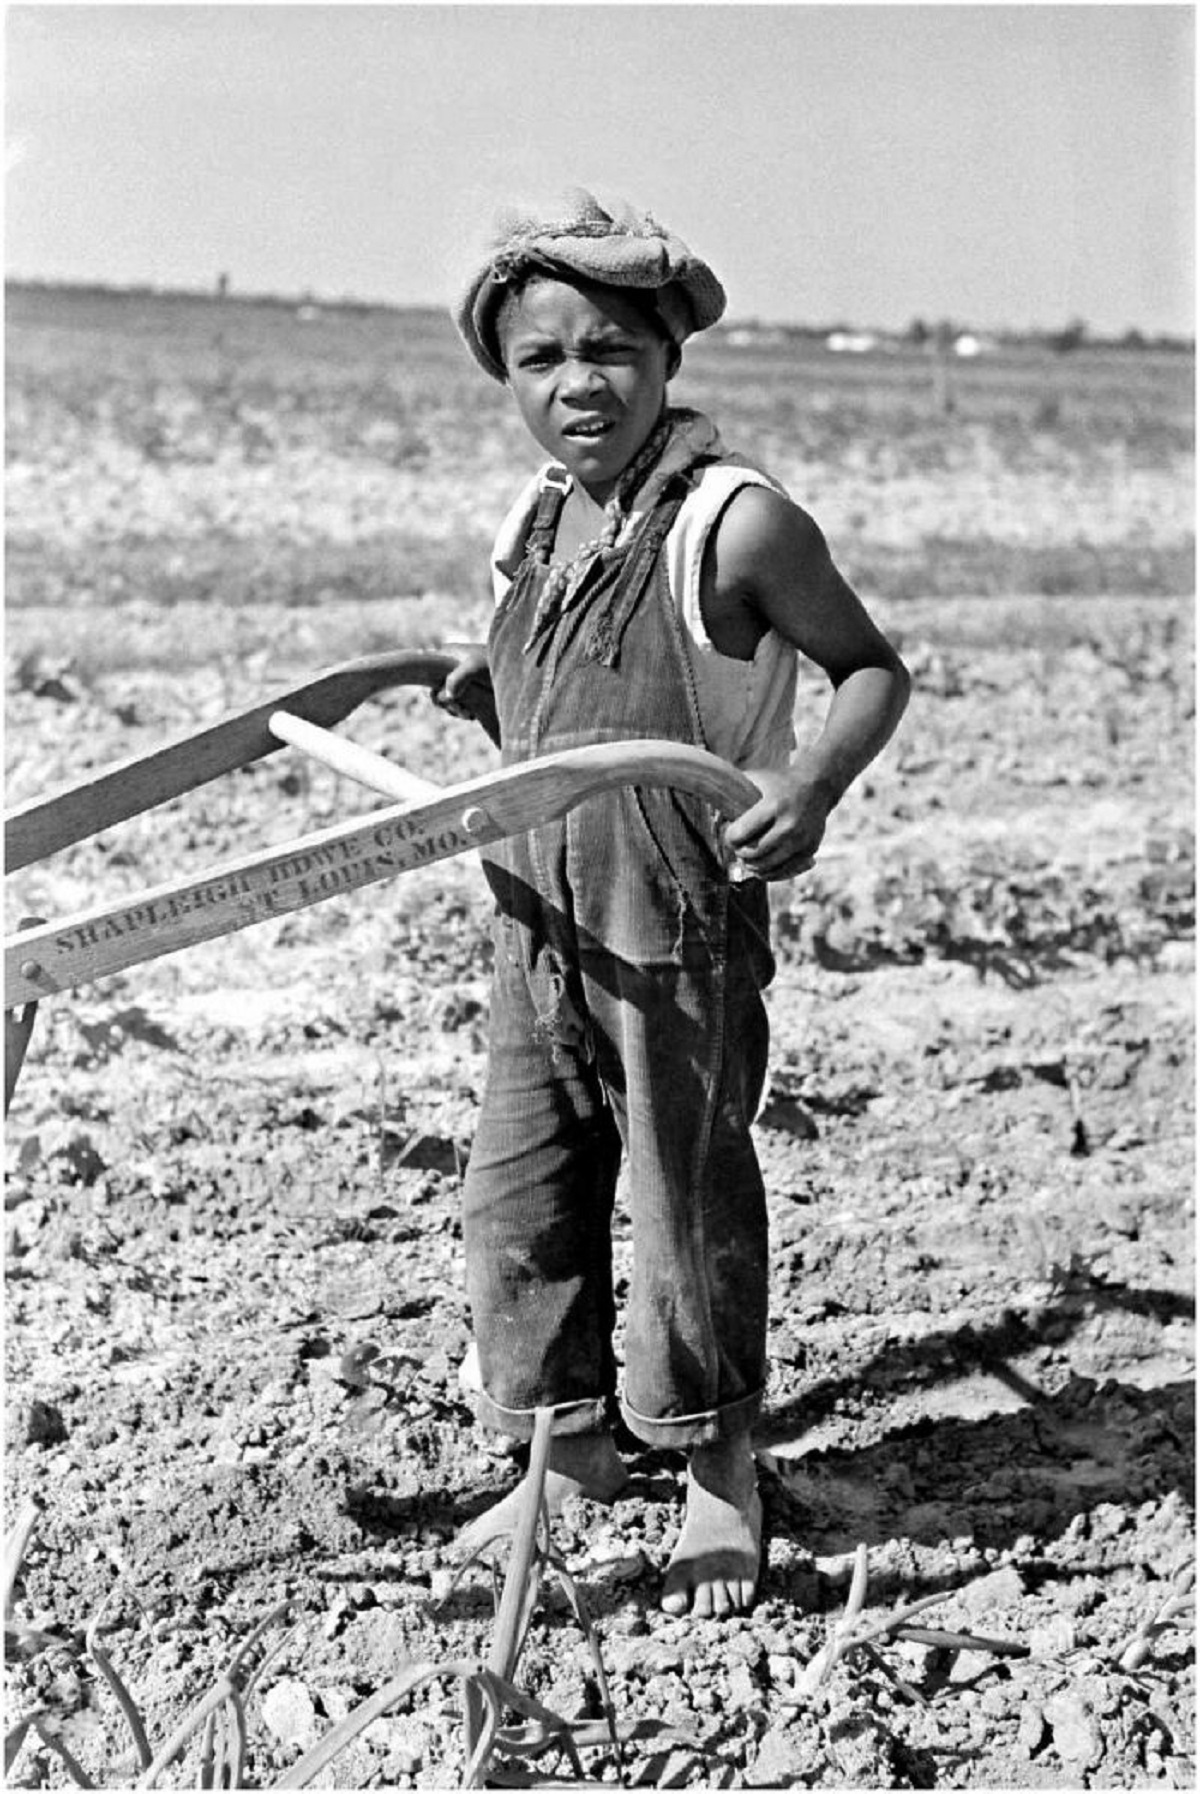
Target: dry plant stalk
(222, 1755)
(850, 1634)
(1180, 1601)
(16, 1544)
(489, 1690)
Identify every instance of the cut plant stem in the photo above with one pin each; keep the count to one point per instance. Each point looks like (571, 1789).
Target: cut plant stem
(124, 1700)
(962, 1641)
(71, 1764)
(903, 1688)
(15, 1547)
(305, 1771)
(190, 1723)
(506, 1642)
(1180, 1601)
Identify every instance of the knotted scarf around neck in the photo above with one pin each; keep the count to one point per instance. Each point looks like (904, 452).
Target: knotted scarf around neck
(681, 439)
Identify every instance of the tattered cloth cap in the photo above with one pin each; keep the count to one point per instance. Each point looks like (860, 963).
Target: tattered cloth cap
(615, 246)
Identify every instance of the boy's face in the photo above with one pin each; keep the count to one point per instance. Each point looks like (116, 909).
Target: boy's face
(589, 373)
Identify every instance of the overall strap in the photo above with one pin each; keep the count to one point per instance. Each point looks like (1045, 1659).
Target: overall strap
(552, 495)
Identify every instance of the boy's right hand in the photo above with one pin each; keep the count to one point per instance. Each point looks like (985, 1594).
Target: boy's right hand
(467, 691)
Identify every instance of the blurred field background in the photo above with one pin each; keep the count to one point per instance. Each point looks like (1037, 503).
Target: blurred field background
(170, 451)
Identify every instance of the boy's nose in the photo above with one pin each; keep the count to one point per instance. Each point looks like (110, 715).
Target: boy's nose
(580, 376)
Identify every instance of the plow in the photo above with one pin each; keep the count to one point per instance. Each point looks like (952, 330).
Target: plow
(424, 823)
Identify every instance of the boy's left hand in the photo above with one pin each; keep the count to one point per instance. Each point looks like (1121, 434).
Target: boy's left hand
(778, 836)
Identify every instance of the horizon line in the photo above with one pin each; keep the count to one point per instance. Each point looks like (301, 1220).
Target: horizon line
(210, 293)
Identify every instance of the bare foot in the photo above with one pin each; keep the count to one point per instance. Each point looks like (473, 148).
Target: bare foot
(713, 1570)
(580, 1464)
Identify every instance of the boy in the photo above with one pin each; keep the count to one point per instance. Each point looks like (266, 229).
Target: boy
(649, 584)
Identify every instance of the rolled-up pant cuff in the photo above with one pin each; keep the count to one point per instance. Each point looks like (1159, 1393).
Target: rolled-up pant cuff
(707, 1428)
(592, 1416)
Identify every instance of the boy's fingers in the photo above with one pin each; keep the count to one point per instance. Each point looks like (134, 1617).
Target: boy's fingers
(752, 823)
(777, 853)
(449, 704)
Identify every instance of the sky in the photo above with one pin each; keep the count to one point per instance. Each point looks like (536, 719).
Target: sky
(1004, 166)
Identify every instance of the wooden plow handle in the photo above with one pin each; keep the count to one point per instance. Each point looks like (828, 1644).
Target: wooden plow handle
(60, 955)
(45, 824)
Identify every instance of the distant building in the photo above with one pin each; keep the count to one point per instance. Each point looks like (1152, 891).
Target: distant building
(851, 342)
(754, 336)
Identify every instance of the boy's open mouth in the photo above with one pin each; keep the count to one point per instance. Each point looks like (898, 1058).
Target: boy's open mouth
(586, 429)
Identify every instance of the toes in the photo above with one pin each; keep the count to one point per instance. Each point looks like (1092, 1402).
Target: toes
(676, 1601)
(704, 1602)
(724, 1596)
(741, 1595)
(708, 1598)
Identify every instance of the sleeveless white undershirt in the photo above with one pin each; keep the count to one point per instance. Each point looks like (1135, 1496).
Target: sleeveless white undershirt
(746, 706)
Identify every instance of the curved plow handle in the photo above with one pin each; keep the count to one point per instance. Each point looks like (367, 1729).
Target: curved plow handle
(45, 824)
(60, 955)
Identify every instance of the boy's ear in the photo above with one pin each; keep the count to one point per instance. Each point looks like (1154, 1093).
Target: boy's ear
(674, 360)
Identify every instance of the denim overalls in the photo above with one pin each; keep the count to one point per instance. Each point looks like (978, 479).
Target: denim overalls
(626, 1014)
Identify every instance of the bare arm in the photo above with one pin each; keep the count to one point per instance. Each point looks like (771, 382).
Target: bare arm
(770, 567)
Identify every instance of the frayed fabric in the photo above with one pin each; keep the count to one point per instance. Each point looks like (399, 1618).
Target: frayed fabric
(615, 246)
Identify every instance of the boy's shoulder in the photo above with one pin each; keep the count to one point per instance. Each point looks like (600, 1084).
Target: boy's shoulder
(731, 467)
(716, 484)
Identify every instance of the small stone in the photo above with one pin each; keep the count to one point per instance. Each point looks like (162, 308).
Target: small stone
(781, 1669)
(402, 1762)
(779, 1761)
(441, 1584)
(743, 1689)
(1031, 1729)
(1108, 1520)
(1054, 1639)
(996, 1593)
(621, 1569)
(968, 1665)
(994, 1702)
(289, 1713)
(862, 1749)
(1079, 1594)
(337, 1701)
(41, 1423)
(1076, 1737)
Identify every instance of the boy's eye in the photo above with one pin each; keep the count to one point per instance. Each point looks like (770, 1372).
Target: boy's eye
(608, 349)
